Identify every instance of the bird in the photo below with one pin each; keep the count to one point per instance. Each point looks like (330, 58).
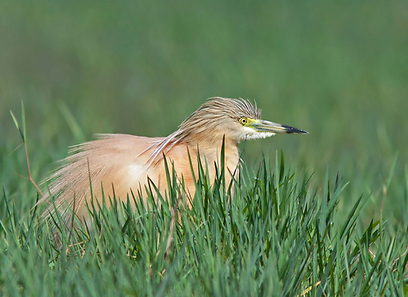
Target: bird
(119, 165)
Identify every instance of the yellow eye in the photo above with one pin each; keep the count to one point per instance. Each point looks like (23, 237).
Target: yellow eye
(243, 121)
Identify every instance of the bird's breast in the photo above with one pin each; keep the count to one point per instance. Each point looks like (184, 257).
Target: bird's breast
(183, 158)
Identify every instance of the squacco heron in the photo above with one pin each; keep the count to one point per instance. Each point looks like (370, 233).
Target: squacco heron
(117, 165)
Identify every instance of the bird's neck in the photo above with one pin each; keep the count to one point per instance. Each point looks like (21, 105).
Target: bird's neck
(211, 148)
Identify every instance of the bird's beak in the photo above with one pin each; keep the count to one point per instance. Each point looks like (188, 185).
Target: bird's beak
(271, 127)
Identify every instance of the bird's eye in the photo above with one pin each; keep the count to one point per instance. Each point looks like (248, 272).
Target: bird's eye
(243, 121)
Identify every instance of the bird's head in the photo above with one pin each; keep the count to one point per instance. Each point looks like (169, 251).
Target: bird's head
(237, 119)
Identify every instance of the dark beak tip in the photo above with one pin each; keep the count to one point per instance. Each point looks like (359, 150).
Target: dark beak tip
(293, 130)
(299, 132)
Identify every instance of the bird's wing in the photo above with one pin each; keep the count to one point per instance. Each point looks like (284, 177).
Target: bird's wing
(108, 166)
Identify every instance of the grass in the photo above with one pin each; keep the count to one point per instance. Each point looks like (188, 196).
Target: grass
(335, 69)
(276, 237)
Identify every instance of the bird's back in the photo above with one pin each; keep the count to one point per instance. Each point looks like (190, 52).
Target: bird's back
(117, 165)
(114, 164)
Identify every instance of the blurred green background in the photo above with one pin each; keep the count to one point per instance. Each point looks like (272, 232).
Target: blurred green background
(336, 69)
